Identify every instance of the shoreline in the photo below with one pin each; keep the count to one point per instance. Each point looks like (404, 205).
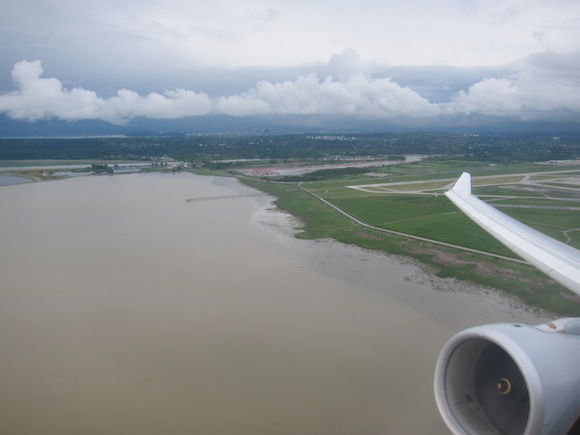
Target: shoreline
(520, 282)
(494, 306)
(14, 179)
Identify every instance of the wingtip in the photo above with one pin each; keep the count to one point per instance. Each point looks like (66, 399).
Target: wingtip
(463, 185)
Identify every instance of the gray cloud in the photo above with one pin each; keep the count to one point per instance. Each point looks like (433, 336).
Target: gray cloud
(545, 86)
(119, 38)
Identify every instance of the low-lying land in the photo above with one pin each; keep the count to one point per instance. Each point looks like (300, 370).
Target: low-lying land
(410, 201)
(46, 170)
(401, 210)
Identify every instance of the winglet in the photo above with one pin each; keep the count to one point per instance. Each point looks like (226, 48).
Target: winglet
(463, 185)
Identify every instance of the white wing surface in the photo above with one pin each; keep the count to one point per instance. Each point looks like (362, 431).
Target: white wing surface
(554, 258)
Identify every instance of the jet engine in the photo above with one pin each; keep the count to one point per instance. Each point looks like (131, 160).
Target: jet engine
(510, 378)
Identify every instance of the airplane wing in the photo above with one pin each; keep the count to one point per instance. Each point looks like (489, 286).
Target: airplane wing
(554, 258)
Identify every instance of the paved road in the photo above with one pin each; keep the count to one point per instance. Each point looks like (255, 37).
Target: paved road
(545, 183)
(540, 198)
(525, 175)
(547, 207)
(409, 236)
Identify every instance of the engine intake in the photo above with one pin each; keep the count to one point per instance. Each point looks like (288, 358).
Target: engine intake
(510, 379)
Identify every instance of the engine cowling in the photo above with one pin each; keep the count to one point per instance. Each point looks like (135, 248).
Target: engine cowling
(511, 379)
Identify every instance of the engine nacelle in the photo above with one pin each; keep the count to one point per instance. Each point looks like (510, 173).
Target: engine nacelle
(511, 379)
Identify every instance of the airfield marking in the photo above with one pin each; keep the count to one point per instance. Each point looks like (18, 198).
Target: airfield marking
(409, 236)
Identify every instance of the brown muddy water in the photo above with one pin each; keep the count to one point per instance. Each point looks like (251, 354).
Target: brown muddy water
(125, 309)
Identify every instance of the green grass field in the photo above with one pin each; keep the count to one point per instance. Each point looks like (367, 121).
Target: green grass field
(426, 216)
(320, 221)
(435, 217)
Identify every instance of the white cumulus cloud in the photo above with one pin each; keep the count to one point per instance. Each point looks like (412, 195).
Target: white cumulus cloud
(542, 87)
(42, 98)
(356, 94)
(308, 95)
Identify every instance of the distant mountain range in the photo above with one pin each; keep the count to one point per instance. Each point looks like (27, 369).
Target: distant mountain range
(267, 125)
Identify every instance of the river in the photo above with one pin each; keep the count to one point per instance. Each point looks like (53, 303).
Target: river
(125, 309)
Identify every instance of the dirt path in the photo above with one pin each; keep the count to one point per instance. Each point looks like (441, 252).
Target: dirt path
(410, 236)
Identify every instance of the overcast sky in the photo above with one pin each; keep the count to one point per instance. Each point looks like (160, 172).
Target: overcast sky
(115, 60)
